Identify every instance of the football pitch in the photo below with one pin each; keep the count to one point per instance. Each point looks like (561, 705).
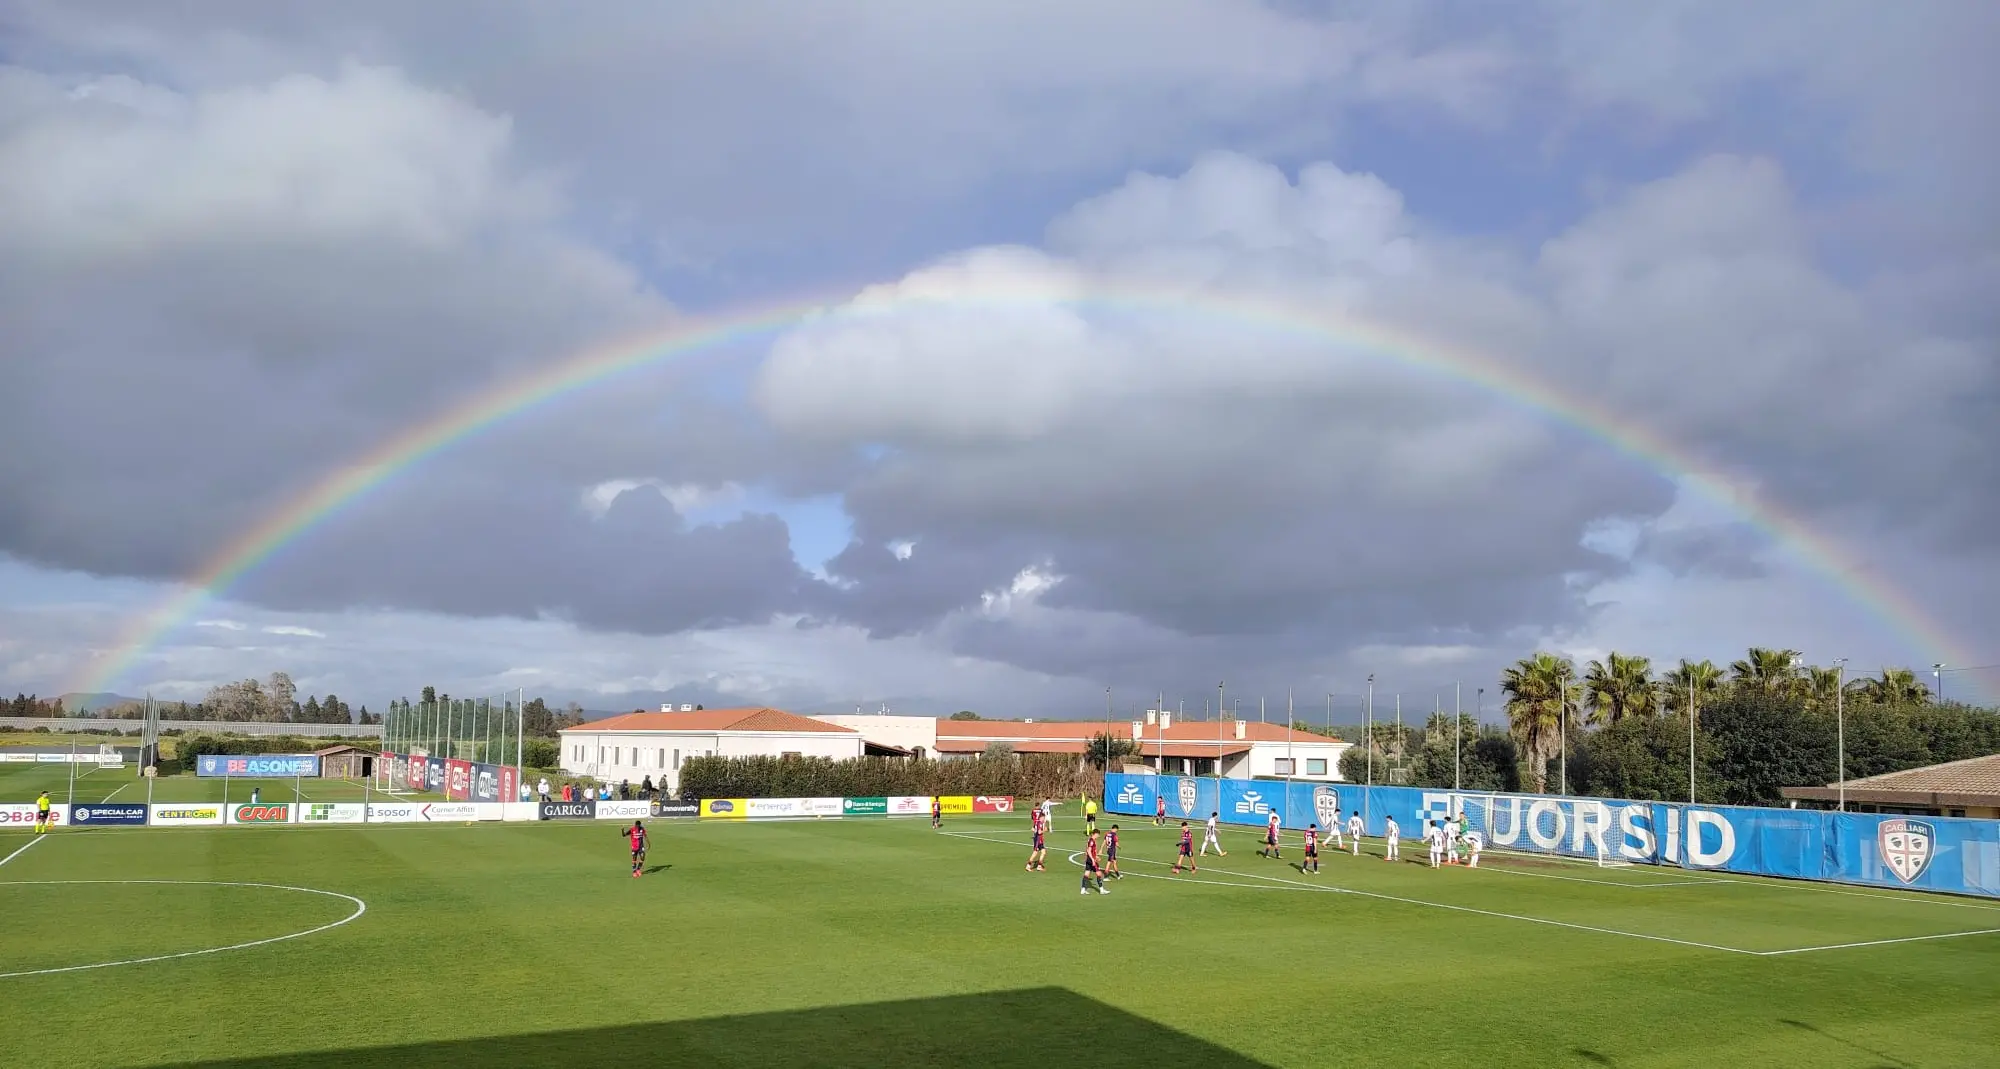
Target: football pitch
(880, 942)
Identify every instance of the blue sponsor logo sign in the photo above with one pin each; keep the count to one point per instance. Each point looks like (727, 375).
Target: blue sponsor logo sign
(95, 815)
(274, 766)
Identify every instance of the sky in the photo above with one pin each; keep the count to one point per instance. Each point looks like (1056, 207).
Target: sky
(1031, 452)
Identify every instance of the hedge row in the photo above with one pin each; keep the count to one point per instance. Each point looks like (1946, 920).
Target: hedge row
(1023, 776)
(192, 746)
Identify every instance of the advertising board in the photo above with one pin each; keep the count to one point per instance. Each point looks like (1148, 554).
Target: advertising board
(20, 758)
(510, 784)
(22, 814)
(454, 811)
(955, 803)
(993, 804)
(724, 808)
(332, 813)
(394, 812)
(774, 807)
(672, 808)
(820, 807)
(104, 814)
(179, 815)
(261, 813)
(268, 766)
(624, 810)
(584, 810)
(458, 780)
(864, 807)
(909, 805)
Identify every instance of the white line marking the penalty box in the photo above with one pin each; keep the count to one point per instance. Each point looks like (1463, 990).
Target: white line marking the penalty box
(360, 908)
(1877, 942)
(1335, 889)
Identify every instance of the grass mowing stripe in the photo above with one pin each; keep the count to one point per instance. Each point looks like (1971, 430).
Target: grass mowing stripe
(360, 908)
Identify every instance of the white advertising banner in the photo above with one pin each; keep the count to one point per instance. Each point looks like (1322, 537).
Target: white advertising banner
(332, 813)
(175, 814)
(821, 807)
(18, 758)
(52, 758)
(909, 805)
(771, 807)
(616, 810)
(22, 815)
(395, 812)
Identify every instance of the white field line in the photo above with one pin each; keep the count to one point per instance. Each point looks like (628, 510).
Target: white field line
(1334, 889)
(22, 850)
(114, 793)
(360, 907)
(1879, 942)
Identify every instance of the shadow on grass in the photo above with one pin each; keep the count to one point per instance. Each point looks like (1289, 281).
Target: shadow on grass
(1034, 1027)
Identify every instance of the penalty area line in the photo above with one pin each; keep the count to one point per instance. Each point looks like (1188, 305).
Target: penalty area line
(1877, 942)
(22, 850)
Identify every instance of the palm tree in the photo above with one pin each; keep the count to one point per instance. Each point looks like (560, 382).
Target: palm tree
(1822, 687)
(1618, 687)
(1766, 671)
(1896, 686)
(1538, 690)
(1701, 680)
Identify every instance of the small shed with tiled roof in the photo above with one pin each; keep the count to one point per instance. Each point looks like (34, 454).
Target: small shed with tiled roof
(640, 745)
(1968, 788)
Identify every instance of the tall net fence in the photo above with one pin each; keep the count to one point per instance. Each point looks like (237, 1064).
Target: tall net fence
(482, 732)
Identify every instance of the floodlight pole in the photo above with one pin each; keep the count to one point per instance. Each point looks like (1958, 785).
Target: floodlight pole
(1691, 715)
(1840, 730)
(1937, 674)
(1369, 742)
(1457, 721)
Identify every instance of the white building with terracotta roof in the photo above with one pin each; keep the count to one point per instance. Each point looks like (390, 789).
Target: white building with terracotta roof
(640, 744)
(1968, 788)
(1240, 749)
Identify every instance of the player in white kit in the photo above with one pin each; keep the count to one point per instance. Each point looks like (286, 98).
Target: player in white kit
(1391, 836)
(1434, 841)
(1473, 841)
(1452, 831)
(1354, 827)
(1209, 837)
(1333, 831)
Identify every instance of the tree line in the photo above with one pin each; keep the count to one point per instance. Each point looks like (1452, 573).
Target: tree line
(1618, 729)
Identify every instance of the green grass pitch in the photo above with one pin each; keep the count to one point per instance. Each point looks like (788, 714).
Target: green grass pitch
(880, 942)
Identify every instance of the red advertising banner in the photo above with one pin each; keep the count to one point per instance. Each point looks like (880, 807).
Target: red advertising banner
(510, 783)
(993, 804)
(458, 780)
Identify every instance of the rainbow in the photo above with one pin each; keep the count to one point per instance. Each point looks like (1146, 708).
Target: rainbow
(593, 366)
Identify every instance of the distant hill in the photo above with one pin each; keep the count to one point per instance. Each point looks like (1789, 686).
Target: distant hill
(96, 703)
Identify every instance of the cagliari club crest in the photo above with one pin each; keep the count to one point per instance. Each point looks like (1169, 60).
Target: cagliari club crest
(1906, 847)
(1326, 802)
(1187, 796)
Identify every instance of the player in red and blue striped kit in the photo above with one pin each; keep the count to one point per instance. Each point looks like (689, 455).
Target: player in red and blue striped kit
(1040, 850)
(1187, 849)
(1091, 870)
(1312, 850)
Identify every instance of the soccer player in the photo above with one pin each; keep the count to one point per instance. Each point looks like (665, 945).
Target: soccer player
(1187, 850)
(1391, 836)
(43, 814)
(1160, 811)
(1041, 847)
(1049, 815)
(1333, 831)
(1434, 841)
(937, 812)
(1451, 834)
(1091, 871)
(1473, 842)
(1354, 828)
(636, 834)
(1089, 814)
(1312, 850)
(1211, 838)
(1271, 836)
(1111, 854)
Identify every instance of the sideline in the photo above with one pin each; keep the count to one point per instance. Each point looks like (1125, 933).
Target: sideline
(22, 850)
(360, 908)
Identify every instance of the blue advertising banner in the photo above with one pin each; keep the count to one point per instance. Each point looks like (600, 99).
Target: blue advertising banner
(283, 766)
(100, 814)
(1953, 854)
(485, 785)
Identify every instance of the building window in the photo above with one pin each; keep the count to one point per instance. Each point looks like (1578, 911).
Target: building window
(1284, 766)
(677, 760)
(663, 759)
(1315, 766)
